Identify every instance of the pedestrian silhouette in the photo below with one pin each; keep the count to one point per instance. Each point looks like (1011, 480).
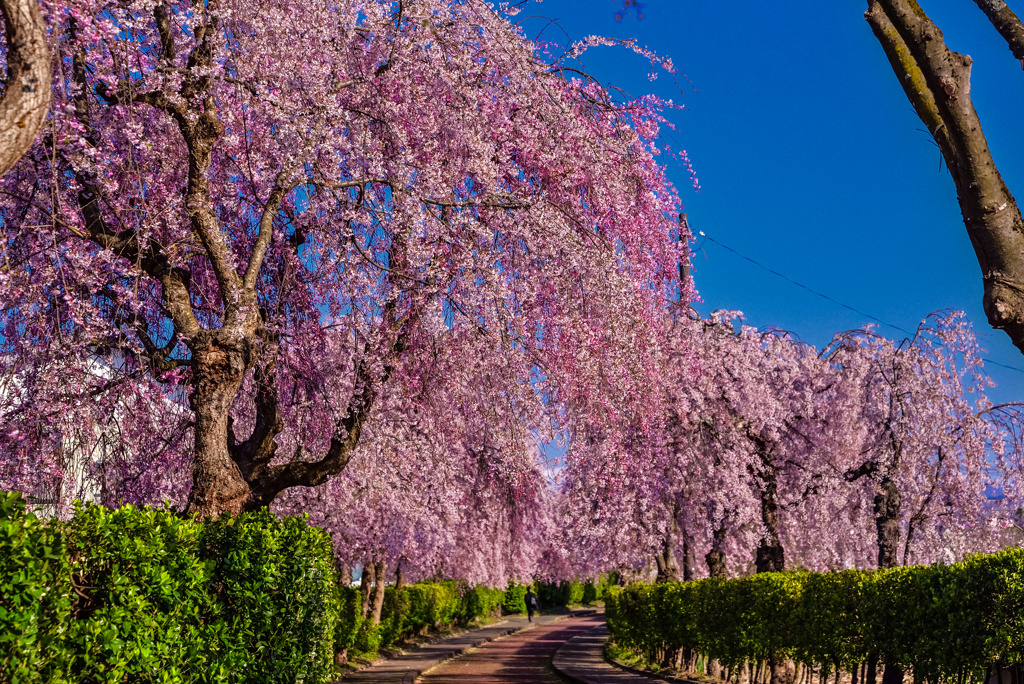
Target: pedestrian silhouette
(531, 604)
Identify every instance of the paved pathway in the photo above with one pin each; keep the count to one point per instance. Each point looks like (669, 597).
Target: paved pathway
(553, 650)
(522, 658)
(581, 659)
(405, 668)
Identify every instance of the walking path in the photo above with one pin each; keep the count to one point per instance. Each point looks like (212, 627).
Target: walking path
(553, 650)
(522, 658)
(405, 668)
(581, 659)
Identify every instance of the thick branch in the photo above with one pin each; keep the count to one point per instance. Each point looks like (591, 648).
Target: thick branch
(200, 127)
(937, 83)
(270, 480)
(255, 453)
(259, 249)
(175, 281)
(163, 25)
(1007, 23)
(26, 92)
(867, 468)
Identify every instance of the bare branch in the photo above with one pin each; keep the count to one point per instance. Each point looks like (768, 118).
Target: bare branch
(259, 249)
(1007, 23)
(937, 82)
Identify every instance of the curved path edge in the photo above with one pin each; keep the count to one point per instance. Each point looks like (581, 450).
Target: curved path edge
(406, 667)
(581, 660)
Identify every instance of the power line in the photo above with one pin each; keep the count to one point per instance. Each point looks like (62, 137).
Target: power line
(830, 299)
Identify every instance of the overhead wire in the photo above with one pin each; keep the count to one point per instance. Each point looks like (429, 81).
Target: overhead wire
(824, 296)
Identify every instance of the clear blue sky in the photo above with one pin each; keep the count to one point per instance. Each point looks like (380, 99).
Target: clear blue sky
(810, 158)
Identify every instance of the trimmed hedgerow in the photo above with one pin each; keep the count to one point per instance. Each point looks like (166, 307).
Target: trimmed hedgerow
(429, 605)
(945, 622)
(515, 598)
(573, 593)
(145, 595)
(144, 607)
(350, 618)
(411, 610)
(481, 602)
(277, 585)
(35, 595)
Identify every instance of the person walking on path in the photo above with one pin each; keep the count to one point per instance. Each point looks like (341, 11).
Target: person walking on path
(531, 604)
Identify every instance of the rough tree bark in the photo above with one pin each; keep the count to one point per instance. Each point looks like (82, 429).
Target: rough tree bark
(887, 522)
(689, 558)
(365, 586)
(26, 90)
(668, 566)
(716, 556)
(937, 82)
(399, 576)
(771, 557)
(1007, 23)
(344, 571)
(380, 573)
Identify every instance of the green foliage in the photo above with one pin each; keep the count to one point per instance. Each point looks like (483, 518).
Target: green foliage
(368, 639)
(35, 595)
(146, 611)
(412, 610)
(515, 598)
(278, 587)
(144, 595)
(350, 618)
(418, 607)
(946, 622)
(572, 593)
(559, 593)
(481, 602)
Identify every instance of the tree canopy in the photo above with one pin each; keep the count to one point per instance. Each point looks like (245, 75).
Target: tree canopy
(286, 209)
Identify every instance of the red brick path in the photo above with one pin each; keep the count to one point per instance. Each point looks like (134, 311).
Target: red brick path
(522, 658)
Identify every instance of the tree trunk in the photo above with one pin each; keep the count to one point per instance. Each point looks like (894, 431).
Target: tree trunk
(770, 556)
(27, 90)
(365, 585)
(892, 674)
(887, 522)
(217, 483)
(232, 476)
(399, 577)
(344, 573)
(937, 82)
(378, 590)
(716, 557)
(668, 567)
(689, 559)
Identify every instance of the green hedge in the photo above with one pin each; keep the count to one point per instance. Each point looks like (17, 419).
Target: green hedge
(350, 618)
(144, 595)
(559, 593)
(481, 602)
(946, 622)
(35, 595)
(412, 610)
(417, 607)
(573, 593)
(515, 598)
